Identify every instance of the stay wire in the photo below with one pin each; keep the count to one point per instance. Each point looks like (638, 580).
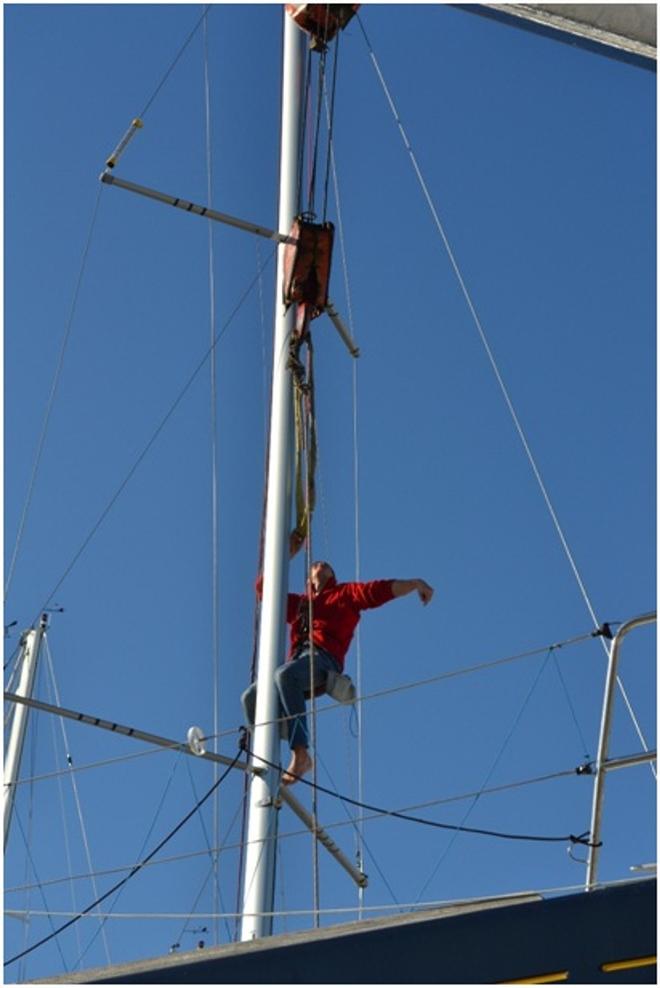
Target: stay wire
(489, 774)
(330, 122)
(213, 855)
(116, 899)
(353, 823)
(356, 710)
(186, 387)
(133, 871)
(540, 838)
(496, 370)
(17, 817)
(74, 787)
(215, 568)
(174, 62)
(585, 748)
(53, 392)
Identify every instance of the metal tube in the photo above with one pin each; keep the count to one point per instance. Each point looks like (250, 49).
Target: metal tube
(627, 761)
(324, 838)
(259, 875)
(603, 743)
(191, 207)
(338, 323)
(31, 647)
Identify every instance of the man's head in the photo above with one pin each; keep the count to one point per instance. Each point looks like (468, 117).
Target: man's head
(319, 574)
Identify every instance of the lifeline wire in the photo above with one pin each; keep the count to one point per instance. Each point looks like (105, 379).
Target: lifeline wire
(154, 437)
(133, 871)
(500, 380)
(51, 398)
(572, 838)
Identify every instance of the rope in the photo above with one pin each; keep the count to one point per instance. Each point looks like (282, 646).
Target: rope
(186, 387)
(133, 871)
(572, 838)
(51, 397)
(500, 380)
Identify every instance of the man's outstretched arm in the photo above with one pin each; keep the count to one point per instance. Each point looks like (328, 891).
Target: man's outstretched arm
(402, 587)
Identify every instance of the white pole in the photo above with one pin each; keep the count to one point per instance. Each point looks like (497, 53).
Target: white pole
(14, 752)
(259, 875)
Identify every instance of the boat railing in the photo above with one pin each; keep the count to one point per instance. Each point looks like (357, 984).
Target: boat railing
(604, 764)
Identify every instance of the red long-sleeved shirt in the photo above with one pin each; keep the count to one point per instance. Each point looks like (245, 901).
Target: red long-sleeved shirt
(336, 612)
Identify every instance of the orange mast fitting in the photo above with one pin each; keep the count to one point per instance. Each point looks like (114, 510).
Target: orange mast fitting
(321, 20)
(307, 264)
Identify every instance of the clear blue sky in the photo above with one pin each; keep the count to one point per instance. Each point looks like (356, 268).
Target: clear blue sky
(540, 158)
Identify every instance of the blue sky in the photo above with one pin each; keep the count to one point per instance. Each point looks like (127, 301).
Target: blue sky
(540, 159)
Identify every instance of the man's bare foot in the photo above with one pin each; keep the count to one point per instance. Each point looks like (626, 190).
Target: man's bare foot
(299, 764)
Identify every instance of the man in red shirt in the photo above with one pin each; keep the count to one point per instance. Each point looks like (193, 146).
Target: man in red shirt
(335, 612)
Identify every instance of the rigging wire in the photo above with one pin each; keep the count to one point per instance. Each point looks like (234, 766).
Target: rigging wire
(498, 375)
(140, 853)
(74, 784)
(26, 842)
(175, 404)
(357, 708)
(183, 47)
(65, 829)
(214, 856)
(350, 820)
(489, 774)
(134, 869)
(215, 567)
(427, 804)
(100, 764)
(585, 747)
(51, 398)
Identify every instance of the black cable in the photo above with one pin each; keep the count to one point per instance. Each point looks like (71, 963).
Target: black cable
(133, 870)
(572, 838)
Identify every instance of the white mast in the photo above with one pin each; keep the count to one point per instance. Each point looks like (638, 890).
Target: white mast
(259, 875)
(31, 645)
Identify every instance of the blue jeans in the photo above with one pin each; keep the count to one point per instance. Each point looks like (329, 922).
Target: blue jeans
(292, 680)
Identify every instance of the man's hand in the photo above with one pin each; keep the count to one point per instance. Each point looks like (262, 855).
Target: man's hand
(424, 590)
(402, 587)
